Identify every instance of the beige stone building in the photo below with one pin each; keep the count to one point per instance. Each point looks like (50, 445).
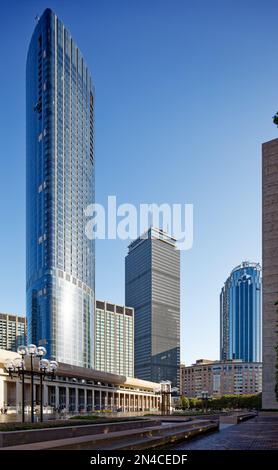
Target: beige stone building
(80, 390)
(219, 378)
(270, 269)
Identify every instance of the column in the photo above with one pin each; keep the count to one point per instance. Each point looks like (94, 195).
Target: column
(2, 392)
(45, 394)
(18, 396)
(6, 392)
(67, 398)
(129, 402)
(100, 399)
(56, 396)
(93, 399)
(76, 399)
(85, 399)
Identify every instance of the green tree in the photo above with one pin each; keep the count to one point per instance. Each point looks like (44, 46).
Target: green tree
(236, 401)
(184, 403)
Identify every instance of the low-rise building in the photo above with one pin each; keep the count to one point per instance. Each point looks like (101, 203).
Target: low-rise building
(77, 389)
(12, 331)
(234, 377)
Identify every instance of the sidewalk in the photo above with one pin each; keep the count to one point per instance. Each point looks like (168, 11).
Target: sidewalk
(259, 433)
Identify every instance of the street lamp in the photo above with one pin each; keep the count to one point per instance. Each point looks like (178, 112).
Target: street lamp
(205, 396)
(22, 350)
(32, 352)
(18, 365)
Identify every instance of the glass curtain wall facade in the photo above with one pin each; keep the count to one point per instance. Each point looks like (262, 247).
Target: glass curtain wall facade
(152, 288)
(60, 267)
(240, 314)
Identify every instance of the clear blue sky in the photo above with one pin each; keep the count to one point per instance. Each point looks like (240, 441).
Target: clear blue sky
(185, 92)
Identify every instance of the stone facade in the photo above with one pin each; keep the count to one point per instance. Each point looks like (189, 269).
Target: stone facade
(79, 390)
(219, 378)
(270, 268)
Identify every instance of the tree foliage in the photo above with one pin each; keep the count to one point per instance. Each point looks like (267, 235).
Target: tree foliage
(236, 401)
(275, 119)
(184, 403)
(224, 402)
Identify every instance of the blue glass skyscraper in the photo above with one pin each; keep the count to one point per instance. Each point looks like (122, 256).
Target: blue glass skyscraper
(240, 314)
(60, 271)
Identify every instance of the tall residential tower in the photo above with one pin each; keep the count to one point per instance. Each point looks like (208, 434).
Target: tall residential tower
(60, 185)
(240, 314)
(114, 338)
(12, 331)
(152, 283)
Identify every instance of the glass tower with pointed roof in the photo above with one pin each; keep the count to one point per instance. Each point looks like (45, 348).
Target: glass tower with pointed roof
(240, 314)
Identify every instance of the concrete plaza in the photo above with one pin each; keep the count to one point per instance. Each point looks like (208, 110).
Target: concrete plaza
(259, 433)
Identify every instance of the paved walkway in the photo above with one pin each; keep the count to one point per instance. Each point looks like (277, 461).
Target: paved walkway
(259, 433)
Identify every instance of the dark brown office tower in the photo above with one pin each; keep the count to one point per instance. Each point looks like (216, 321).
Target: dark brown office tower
(152, 287)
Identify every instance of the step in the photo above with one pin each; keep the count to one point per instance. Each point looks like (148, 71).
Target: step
(152, 442)
(24, 437)
(120, 439)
